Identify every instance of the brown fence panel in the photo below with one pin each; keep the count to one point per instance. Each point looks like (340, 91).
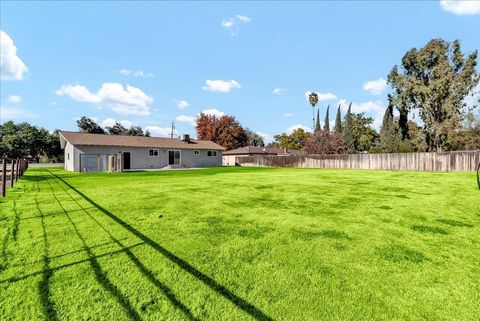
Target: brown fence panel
(10, 171)
(460, 161)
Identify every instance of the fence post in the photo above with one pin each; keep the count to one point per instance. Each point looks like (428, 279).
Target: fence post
(16, 170)
(12, 173)
(4, 176)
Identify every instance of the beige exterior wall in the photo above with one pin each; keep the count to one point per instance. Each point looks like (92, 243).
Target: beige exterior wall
(140, 158)
(229, 160)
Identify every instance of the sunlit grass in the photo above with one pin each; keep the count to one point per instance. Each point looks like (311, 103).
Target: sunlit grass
(240, 244)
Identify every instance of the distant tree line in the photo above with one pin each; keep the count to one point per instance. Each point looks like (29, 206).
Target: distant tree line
(88, 125)
(436, 81)
(27, 141)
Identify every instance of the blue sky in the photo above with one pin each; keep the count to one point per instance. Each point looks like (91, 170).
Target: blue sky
(148, 63)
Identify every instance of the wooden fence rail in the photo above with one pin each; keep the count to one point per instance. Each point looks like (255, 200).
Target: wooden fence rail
(461, 161)
(11, 171)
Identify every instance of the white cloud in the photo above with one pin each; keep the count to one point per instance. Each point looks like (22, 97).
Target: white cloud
(213, 112)
(14, 113)
(243, 18)
(109, 122)
(160, 131)
(221, 86)
(15, 99)
(375, 87)
(321, 96)
(279, 91)
(461, 7)
(127, 101)
(11, 66)
(290, 129)
(266, 137)
(233, 24)
(228, 23)
(182, 104)
(138, 73)
(186, 119)
(288, 114)
(375, 109)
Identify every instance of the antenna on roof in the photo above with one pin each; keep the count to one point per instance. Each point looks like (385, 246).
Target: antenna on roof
(173, 129)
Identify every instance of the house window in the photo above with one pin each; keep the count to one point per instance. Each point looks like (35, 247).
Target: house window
(153, 152)
(212, 153)
(196, 152)
(68, 155)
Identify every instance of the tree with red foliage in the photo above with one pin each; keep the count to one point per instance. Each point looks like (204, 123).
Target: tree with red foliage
(323, 142)
(225, 131)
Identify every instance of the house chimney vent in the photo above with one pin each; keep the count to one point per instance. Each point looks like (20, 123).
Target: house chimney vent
(186, 138)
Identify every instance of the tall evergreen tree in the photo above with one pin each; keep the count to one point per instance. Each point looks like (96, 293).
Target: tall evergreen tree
(318, 127)
(348, 130)
(390, 133)
(338, 121)
(326, 127)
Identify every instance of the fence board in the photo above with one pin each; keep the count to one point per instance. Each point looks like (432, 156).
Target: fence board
(460, 161)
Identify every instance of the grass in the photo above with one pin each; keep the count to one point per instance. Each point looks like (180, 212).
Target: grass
(240, 244)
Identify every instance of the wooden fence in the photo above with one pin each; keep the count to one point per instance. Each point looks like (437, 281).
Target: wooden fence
(462, 161)
(10, 171)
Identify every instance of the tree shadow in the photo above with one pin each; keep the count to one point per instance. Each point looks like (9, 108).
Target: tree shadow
(100, 275)
(214, 285)
(142, 268)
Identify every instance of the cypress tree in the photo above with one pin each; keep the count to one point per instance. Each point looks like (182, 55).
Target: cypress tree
(348, 130)
(326, 127)
(390, 135)
(338, 121)
(317, 124)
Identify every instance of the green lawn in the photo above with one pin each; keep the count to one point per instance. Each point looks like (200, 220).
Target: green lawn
(240, 244)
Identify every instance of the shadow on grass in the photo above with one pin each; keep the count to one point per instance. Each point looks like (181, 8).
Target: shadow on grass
(331, 234)
(53, 269)
(44, 285)
(454, 223)
(100, 275)
(142, 268)
(400, 253)
(214, 285)
(428, 229)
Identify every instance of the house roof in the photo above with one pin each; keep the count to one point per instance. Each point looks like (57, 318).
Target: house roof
(76, 138)
(253, 150)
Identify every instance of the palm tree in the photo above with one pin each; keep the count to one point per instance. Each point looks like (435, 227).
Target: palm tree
(313, 99)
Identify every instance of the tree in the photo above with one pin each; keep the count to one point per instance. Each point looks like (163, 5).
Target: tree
(318, 127)
(225, 131)
(254, 139)
(117, 129)
(88, 125)
(338, 121)
(206, 126)
(323, 142)
(390, 138)
(470, 133)
(364, 136)
(135, 131)
(435, 80)
(296, 140)
(348, 130)
(326, 126)
(25, 140)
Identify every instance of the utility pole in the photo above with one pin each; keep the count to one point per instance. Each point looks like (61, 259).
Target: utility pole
(173, 129)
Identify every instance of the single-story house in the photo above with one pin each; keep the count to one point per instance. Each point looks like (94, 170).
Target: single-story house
(229, 156)
(101, 153)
